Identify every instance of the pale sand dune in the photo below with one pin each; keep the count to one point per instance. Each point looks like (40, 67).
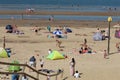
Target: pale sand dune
(92, 66)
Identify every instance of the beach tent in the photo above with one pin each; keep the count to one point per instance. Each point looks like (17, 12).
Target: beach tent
(14, 68)
(55, 55)
(3, 53)
(97, 36)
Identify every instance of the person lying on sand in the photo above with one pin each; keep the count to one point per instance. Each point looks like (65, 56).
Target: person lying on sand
(58, 43)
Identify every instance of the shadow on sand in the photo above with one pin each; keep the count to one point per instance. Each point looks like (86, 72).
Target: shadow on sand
(67, 77)
(113, 53)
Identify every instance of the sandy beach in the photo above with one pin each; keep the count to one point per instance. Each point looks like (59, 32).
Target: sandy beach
(91, 66)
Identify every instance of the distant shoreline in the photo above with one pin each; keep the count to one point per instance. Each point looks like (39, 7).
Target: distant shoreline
(45, 22)
(69, 23)
(17, 12)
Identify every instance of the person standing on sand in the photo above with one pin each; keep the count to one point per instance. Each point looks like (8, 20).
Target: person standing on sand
(48, 77)
(105, 54)
(85, 41)
(41, 63)
(49, 28)
(72, 67)
(32, 61)
(51, 18)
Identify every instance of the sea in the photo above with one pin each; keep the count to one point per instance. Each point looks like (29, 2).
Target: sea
(62, 5)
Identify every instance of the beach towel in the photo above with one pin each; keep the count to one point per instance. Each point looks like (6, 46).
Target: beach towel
(97, 36)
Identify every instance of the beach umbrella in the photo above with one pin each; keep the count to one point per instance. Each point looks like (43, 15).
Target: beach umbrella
(12, 68)
(57, 32)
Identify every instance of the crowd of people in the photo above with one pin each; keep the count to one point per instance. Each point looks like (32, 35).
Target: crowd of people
(84, 48)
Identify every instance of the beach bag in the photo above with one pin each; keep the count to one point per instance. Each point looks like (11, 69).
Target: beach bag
(68, 30)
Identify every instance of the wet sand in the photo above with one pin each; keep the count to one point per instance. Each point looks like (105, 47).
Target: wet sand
(107, 13)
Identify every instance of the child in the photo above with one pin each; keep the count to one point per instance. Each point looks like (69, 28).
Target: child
(41, 63)
(24, 77)
(77, 75)
(105, 54)
(48, 77)
(49, 51)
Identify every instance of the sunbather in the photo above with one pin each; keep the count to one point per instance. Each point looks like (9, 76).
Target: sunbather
(58, 43)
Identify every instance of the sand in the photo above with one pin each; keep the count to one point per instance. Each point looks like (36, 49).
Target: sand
(91, 66)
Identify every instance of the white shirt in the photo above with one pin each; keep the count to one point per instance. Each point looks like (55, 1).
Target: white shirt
(24, 78)
(49, 52)
(77, 75)
(41, 62)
